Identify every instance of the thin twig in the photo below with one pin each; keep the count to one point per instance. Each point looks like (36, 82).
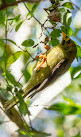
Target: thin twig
(33, 16)
(24, 69)
(4, 6)
(24, 51)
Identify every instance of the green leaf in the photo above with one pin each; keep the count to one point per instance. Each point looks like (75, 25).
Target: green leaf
(74, 70)
(31, 132)
(33, 9)
(18, 26)
(54, 42)
(26, 75)
(65, 16)
(2, 43)
(5, 94)
(13, 42)
(68, 5)
(74, 86)
(11, 79)
(2, 17)
(12, 58)
(66, 109)
(68, 31)
(28, 43)
(15, 18)
(78, 51)
(22, 105)
(55, 33)
(9, 1)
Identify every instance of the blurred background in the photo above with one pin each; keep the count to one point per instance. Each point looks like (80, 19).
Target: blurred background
(63, 121)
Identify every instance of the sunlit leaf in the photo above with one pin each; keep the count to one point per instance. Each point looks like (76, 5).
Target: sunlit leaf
(18, 26)
(12, 58)
(28, 43)
(33, 9)
(30, 132)
(68, 31)
(65, 16)
(74, 70)
(68, 5)
(16, 18)
(66, 109)
(13, 42)
(78, 51)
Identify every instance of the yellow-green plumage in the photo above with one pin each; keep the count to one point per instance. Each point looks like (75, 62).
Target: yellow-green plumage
(54, 56)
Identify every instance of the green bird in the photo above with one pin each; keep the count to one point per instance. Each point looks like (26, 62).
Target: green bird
(58, 61)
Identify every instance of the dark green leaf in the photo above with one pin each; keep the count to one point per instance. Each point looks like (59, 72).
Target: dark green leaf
(9, 1)
(22, 105)
(11, 41)
(26, 75)
(31, 132)
(28, 43)
(68, 5)
(68, 31)
(5, 94)
(65, 16)
(10, 77)
(54, 42)
(18, 26)
(64, 29)
(55, 33)
(2, 17)
(15, 18)
(66, 109)
(12, 58)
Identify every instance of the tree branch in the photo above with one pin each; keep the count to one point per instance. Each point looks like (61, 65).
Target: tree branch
(13, 115)
(4, 5)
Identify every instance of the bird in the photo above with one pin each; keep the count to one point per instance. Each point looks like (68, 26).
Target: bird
(58, 60)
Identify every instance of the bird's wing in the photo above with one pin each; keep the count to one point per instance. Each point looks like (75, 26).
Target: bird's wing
(56, 72)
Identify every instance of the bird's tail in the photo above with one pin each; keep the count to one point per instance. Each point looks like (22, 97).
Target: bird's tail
(11, 103)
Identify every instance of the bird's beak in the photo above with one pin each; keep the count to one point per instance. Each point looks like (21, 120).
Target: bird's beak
(64, 35)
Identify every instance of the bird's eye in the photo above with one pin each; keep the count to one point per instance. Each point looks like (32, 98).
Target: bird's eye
(63, 42)
(68, 42)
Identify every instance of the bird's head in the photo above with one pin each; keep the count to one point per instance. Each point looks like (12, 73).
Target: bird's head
(69, 46)
(67, 43)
